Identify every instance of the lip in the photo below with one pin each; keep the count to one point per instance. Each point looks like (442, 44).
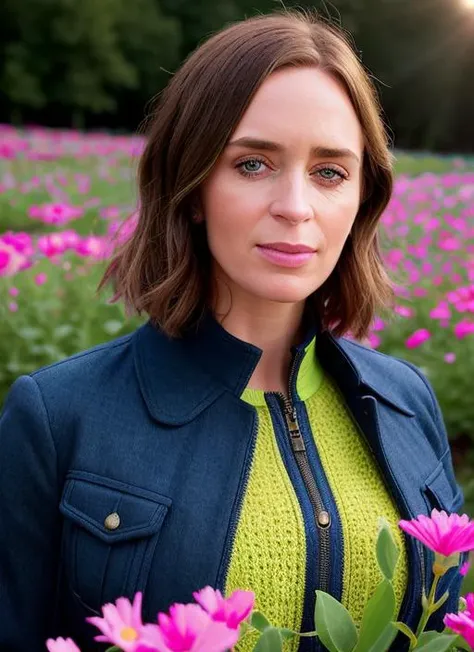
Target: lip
(285, 258)
(289, 248)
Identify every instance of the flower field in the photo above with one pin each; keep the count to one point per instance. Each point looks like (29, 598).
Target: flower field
(64, 195)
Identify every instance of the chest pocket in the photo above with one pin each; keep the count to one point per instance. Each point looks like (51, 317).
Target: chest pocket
(110, 534)
(441, 490)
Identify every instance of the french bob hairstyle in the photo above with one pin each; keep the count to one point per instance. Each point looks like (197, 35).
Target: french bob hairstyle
(164, 268)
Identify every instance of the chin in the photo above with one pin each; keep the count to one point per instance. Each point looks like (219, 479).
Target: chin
(284, 292)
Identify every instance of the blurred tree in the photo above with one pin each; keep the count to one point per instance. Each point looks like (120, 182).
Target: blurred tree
(66, 53)
(90, 58)
(200, 18)
(81, 55)
(151, 42)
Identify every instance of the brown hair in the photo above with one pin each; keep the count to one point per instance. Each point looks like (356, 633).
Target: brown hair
(164, 268)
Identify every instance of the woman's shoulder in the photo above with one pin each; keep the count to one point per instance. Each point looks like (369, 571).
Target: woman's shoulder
(82, 366)
(391, 375)
(78, 383)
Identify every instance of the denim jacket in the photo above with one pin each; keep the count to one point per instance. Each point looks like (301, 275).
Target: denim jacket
(123, 467)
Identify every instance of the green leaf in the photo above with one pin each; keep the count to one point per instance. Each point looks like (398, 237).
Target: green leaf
(387, 551)
(386, 639)
(244, 628)
(378, 614)
(259, 621)
(436, 642)
(269, 641)
(334, 624)
(461, 644)
(287, 634)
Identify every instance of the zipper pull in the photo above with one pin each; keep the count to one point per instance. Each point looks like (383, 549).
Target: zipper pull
(296, 439)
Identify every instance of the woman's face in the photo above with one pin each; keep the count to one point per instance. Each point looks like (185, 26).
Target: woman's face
(282, 197)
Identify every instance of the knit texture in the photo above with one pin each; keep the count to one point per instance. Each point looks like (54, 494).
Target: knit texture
(361, 498)
(269, 549)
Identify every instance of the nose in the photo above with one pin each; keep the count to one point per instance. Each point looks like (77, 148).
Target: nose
(292, 202)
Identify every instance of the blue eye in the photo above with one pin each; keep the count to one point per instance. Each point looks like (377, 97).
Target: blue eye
(331, 175)
(328, 173)
(251, 167)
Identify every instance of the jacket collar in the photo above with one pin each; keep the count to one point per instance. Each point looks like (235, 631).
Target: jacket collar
(179, 378)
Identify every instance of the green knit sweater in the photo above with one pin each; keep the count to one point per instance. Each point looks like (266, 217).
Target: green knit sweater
(269, 549)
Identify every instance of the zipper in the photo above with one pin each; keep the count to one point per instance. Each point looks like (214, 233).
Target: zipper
(321, 514)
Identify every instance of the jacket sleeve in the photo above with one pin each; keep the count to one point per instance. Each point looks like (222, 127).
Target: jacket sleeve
(453, 580)
(441, 442)
(28, 520)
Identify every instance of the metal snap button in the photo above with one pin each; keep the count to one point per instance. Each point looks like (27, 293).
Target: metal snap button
(324, 519)
(112, 521)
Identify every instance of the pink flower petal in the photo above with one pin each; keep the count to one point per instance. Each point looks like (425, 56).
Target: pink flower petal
(446, 535)
(61, 645)
(217, 637)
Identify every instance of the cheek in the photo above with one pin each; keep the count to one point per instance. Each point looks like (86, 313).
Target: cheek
(230, 212)
(337, 221)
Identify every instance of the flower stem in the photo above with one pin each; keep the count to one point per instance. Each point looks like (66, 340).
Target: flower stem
(428, 608)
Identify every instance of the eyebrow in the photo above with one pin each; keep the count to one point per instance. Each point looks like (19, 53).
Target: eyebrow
(269, 146)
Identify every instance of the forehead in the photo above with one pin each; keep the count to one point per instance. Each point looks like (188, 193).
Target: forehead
(296, 105)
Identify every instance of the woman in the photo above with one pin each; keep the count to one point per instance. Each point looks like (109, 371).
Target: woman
(236, 439)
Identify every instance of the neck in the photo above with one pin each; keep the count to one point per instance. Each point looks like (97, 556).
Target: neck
(271, 326)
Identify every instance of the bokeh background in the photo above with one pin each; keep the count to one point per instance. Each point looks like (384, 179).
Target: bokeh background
(76, 79)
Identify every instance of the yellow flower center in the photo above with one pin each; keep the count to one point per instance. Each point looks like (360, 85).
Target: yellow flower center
(129, 634)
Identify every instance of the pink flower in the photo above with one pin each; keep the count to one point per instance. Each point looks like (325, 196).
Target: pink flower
(22, 242)
(61, 645)
(41, 278)
(462, 298)
(232, 610)
(55, 213)
(404, 311)
(445, 535)
(420, 292)
(378, 324)
(450, 358)
(11, 261)
(417, 338)
(189, 628)
(52, 244)
(463, 622)
(93, 246)
(441, 311)
(373, 340)
(464, 328)
(121, 623)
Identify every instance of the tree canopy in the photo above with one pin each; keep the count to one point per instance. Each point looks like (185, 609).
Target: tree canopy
(97, 64)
